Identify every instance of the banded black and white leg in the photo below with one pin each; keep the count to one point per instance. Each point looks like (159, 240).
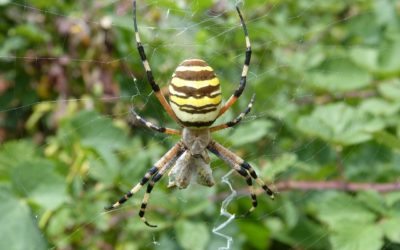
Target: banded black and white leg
(149, 73)
(168, 159)
(238, 92)
(238, 168)
(235, 121)
(150, 187)
(154, 127)
(242, 167)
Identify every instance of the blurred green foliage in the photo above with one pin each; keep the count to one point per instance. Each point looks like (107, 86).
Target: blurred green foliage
(327, 79)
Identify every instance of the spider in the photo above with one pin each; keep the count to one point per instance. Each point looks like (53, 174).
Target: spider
(194, 103)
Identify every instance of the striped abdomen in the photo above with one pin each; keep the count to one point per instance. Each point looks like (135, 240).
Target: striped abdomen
(195, 93)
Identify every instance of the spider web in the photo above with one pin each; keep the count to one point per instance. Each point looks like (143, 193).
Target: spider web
(182, 25)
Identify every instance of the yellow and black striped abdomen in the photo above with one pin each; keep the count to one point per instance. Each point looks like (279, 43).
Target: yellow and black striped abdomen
(195, 94)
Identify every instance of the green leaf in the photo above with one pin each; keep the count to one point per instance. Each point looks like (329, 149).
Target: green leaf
(195, 202)
(30, 32)
(257, 235)
(391, 229)
(280, 165)
(258, 128)
(290, 213)
(105, 168)
(392, 198)
(39, 182)
(383, 61)
(390, 89)
(398, 131)
(365, 28)
(192, 235)
(386, 12)
(387, 139)
(166, 242)
(307, 234)
(336, 208)
(61, 219)
(98, 132)
(373, 200)
(217, 242)
(365, 57)
(14, 152)
(357, 236)
(339, 75)
(18, 228)
(339, 124)
(379, 107)
(389, 61)
(10, 45)
(201, 5)
(192, 201)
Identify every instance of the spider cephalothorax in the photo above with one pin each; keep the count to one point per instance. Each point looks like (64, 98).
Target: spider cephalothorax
(194, 103)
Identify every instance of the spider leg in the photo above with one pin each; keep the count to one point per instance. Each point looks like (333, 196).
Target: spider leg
(146, 196)
(235, 121)
(149, 73)
(150, 125)
(168, 159)
(238, 92)
(242, 167)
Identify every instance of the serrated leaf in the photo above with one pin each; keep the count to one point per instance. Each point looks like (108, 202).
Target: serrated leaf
(307, 234)
(379, 106)
(383, 61)
(357, 236)
(365, 57)
(258, 128)
(339, 75)
(390, 89)
(192, 235)
(18, 229)
(336, 208)
(373, 200)
(387, 139)
(339, 124)
(391, 229)
(389, 61)
(38, 181)
(392, 198)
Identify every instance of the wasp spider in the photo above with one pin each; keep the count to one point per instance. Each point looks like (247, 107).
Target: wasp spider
(194, 103)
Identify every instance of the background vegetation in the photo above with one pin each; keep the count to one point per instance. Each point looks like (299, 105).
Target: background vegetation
(324, 130)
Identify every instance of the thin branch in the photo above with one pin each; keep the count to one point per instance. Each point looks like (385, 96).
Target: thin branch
(322, 185)
(338, 185)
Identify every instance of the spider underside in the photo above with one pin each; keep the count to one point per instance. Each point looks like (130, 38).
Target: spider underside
(194, 160)
(195, 102)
